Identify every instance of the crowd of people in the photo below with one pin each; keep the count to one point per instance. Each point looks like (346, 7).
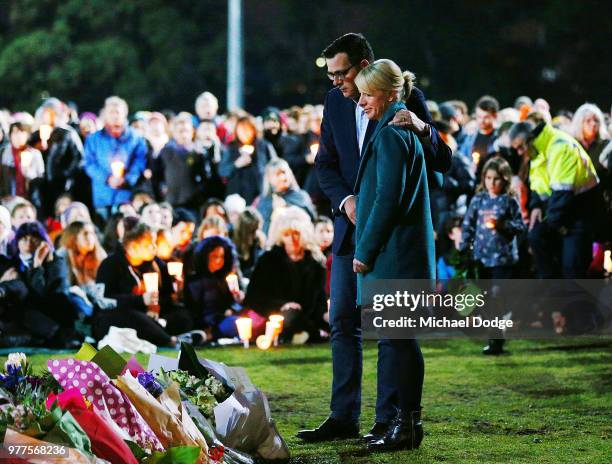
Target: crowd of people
(92, 203)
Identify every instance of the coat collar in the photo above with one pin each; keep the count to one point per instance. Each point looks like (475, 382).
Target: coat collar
(383, 122)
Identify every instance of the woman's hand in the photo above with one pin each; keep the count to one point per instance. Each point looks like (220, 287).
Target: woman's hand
(9, 274)
(243, 160)
(153, 315)
(150, 298)
(291, 305)
(228, 313)
(360, 267)
(42, 254)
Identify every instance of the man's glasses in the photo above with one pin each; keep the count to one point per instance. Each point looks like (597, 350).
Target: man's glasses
(339, 74)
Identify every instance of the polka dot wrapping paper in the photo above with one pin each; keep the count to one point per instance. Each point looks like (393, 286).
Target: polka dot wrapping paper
(97, 388)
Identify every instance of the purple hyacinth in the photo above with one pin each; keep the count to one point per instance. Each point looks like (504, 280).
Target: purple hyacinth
(150, 383)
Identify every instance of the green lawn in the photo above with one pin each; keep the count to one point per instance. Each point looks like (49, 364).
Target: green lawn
(547, 402)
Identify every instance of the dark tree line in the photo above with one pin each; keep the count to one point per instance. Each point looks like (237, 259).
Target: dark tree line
(161, 54)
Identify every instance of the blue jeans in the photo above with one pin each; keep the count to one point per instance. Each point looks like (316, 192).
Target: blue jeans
(345, 322)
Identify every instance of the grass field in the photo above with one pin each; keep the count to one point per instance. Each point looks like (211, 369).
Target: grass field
(546, 402)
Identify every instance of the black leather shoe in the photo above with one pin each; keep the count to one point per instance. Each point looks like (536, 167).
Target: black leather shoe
(331, 429)
(378, 430)
(406, 432)
(494, 348)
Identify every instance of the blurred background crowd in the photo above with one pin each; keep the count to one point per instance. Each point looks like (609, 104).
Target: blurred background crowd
(226, 212)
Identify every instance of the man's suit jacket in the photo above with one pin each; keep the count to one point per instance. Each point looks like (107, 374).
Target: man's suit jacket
(337, 160)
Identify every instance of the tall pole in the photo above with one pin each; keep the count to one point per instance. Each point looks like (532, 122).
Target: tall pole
(235, 64)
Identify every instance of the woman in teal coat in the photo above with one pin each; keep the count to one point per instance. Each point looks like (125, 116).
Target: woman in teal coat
(394, 236)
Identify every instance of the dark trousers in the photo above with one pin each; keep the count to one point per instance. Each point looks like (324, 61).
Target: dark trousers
(345, 322)
(561, 256)
(497, 273)
(179, 321)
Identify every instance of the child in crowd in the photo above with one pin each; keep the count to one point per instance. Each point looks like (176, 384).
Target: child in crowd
(249, 239)
(22, 212)
(23, 168)
(324, 236)
(491, 226)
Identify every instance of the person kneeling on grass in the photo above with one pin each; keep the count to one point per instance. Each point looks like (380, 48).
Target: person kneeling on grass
(122, 274)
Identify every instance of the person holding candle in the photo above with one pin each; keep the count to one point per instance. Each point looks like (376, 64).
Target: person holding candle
(491, 226)
(23, 169)
(139, 306)
(244, 161)
(62, 151)
(281, 190)
(115, 158)
(289, 278)
(209, 292)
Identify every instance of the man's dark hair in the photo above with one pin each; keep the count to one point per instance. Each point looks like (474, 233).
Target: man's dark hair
(135, 233)
(522, 129)
(354, 45)
(488, 103)
(22, 126)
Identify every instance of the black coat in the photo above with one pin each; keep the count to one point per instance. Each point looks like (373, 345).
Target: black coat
(277, 280)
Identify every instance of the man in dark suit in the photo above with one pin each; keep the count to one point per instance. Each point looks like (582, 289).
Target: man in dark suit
(345, 129)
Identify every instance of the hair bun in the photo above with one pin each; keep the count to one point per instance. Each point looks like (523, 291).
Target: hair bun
(409, 79)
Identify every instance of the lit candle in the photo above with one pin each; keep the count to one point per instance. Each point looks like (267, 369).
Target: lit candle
(246, 149)
(45, 132)
(26, 158)
(232, 282)
(277, 320)
(608, 260)
(314, 148)
(245, 330)
(490, 224)
(175, 268)
(263, 343)
(117, 168)
(150, 281)
(476, 157)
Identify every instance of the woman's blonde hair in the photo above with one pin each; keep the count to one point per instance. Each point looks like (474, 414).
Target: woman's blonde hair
(294, 218)
(212, 222)
(386, 76)
(278, 163)
(581, 114)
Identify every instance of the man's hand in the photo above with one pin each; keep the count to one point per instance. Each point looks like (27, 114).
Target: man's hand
(243, 160)
(291, 305)
(408, 120)
(360, 267)
(150, 298)
(116, 182)
(153, 315)
(350, 208)
(536, 216)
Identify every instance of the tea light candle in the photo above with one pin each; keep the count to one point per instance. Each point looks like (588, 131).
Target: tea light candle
(263, 343)
(277, 320)
(150, 281)
(245, 330)
(175, 268)
(117, 168)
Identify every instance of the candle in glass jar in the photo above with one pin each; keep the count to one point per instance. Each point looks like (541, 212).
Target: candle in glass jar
(117, 168)
(175, 268)
(314, 148)
(608, 260)
(246, 149)
(263, 343)
(476, 157)
(232, 282)
(245, 330)
(150, 281)
(26, 158)
(45, 132)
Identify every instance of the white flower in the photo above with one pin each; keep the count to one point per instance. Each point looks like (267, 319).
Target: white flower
(16, 359)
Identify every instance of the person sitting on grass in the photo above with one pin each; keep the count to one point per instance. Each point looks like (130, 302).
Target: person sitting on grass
(47, 311)
(212, 302)
(249, 239)
(289, 278)
(122, 274)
